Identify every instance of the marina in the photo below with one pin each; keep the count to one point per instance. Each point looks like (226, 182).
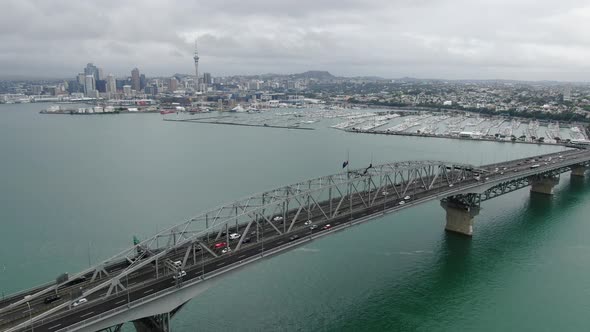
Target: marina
(456, 125)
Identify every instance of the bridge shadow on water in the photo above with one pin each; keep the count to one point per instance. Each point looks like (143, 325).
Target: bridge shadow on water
(431, 298)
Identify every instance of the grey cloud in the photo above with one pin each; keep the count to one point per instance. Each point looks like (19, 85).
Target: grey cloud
(522, 39)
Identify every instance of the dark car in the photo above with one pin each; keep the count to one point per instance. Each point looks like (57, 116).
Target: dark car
(294, 237)
(246, 240)
(52, 298)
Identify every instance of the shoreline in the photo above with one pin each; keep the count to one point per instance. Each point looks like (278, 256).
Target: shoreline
(356, 131)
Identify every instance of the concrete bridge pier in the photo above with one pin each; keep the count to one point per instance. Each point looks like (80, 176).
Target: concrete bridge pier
(156, 323)
(579, 170)
(544, 185)
(459, 217)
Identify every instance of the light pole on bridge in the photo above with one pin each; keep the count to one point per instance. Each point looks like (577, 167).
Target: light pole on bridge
(128, 296)
(30, 315)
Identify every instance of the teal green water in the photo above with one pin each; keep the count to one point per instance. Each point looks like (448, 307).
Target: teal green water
(70, 185)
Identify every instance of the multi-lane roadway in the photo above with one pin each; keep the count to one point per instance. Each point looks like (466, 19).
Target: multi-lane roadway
(263, 238)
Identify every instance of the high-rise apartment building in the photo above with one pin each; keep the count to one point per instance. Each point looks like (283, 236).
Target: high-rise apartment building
(127, 90)
(111, 84)
(172, 84)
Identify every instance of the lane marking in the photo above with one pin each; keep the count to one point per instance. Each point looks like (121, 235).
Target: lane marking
(242, 256)
(87, 314)
(131, 284)
(103, 294)
(281, 242)
(149, 290)
(222, 263)
(54, 326)
(122, 301)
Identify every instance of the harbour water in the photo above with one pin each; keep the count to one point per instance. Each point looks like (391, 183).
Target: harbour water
(75, 189)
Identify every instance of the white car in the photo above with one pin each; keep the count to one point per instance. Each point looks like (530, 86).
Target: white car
(277, 218)
(451, 185)
(407, 198)
(307, 223)
(402, 203)
(180, 275)
(234, 236)
(80, 301)
(226, 250)
(385, 193)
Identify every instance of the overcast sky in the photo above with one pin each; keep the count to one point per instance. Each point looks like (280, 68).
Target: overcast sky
(455, 39)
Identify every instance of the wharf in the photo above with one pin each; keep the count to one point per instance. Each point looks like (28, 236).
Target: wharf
(238, 124)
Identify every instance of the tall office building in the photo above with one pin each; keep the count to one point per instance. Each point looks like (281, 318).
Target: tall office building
(101, 85)
(111, 84)
(142, 81)
(207, 78)
(89, 85)
(91, 70)
(135, 81)
(100, 74)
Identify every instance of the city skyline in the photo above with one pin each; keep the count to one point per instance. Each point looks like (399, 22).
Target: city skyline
(455, 39)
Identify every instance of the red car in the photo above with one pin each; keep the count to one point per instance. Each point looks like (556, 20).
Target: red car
(220, 245)
(328, 226)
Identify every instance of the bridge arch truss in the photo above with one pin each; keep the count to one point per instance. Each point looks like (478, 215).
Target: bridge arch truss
(279, 211)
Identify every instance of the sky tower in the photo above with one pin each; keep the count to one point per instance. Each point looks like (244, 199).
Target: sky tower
(196, 58)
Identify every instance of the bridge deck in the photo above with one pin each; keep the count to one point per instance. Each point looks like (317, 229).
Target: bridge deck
(200, 258)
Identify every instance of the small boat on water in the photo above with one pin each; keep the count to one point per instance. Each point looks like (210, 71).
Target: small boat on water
(238, 109)
(167, 112)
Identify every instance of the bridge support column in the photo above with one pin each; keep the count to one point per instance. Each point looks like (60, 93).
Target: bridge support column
(459, 217)
(157, 323)
(579, 170)
(544, 185)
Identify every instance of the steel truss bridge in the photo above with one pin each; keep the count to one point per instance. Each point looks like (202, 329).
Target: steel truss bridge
(150, 281)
